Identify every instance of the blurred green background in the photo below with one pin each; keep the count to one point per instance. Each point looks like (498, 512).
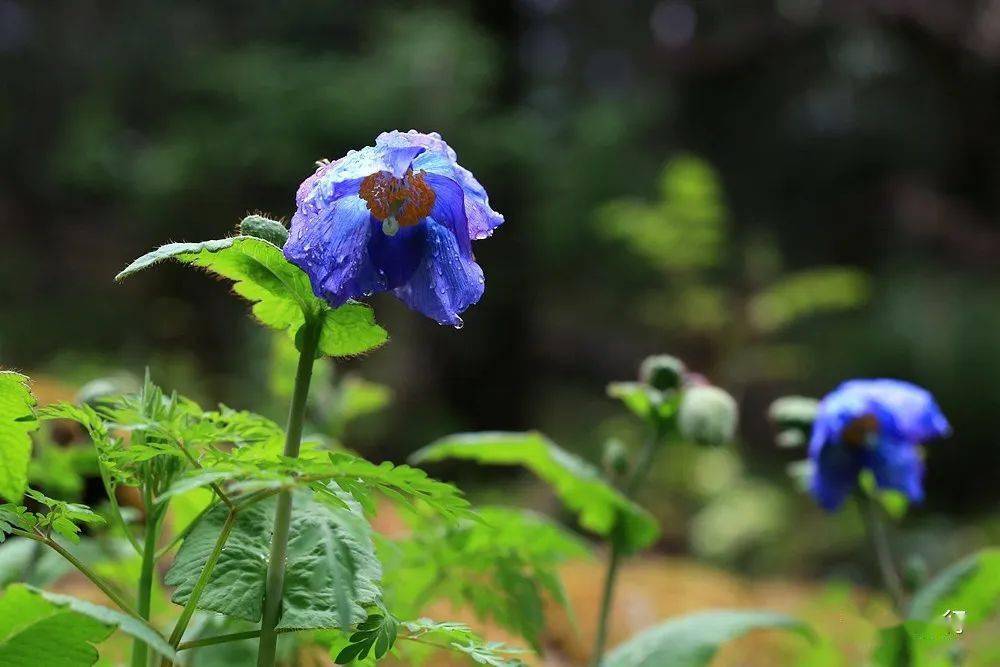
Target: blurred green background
(784, 193)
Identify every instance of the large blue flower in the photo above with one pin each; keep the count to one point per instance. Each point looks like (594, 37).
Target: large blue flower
(877, 425)
(400, 215)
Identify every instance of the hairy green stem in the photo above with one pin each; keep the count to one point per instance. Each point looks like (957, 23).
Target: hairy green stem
(629, 488)
(308, 344)
(140, 652)
(105, 587)
(875, 527)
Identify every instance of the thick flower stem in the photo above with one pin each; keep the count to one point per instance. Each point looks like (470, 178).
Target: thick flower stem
(308, 343)
(875, 528)
(140, 651)
(629, 488)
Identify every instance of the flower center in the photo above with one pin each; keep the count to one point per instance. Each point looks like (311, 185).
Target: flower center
(397, 202)
(861, 431)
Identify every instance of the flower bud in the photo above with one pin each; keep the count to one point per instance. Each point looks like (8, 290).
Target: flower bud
(707, 415)
(662, 372)
(614, 458)
(271, 231)
(793, 412)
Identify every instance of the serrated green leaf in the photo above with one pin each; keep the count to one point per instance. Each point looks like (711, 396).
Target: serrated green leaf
(971, 585)
(112, 617)
(375, 636)
(578, 484)
(692, 640)
(17, 420)
(460, 637)
(500, 567)
(35, 631)
(280, 292)
(330, 558)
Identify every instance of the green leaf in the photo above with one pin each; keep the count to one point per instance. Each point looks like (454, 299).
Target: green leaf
(17, 420)
(644, 401)
(111, 617)
(501, 567)
(332, 573)
(971, 585)
(914, 644)
(376, 635)
(35, 631)
(459, 637)
(280, 292)
(360, 397)
(692, 640)
(799, 295)
(577, 483)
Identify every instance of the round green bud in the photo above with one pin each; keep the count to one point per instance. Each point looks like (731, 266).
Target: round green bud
(615, 458)
(915, 572)
(707, 416)
(793, 412)
(271, 231)
(662, 372)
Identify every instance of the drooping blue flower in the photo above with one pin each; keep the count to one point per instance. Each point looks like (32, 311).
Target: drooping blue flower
(398, 216)
(877, 425)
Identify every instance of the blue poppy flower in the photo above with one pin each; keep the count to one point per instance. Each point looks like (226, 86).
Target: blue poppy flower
(877, 425)
(398, 216)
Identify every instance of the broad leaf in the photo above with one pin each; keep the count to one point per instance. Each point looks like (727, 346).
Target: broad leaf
(577, 483)
(130, 625)
(692, 640)
(281, 293)
(35, 631)
(971, 585)
(17, 420)
(332, 573)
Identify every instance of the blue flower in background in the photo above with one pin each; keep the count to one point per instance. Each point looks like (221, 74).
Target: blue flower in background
(873, 424)
(400, 215)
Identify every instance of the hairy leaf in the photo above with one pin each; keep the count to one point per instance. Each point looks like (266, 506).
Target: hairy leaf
(280, 292)
(35, 631)
(692, 640)
(971, 585)
(578, 484)
(331, 564)
(17, 420)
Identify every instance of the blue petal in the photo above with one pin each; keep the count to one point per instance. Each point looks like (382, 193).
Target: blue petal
(899, 466)
(449, 210)
(440, 159)
(331, 246)
(343, 177)
(916, 416)
(446, 281)
(397, 257)
(835, 475)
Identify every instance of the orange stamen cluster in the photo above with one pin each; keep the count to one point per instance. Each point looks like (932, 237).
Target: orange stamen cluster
(408, 199)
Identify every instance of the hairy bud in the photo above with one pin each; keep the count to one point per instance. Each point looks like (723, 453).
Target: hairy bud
(271, 231)
(707, 415)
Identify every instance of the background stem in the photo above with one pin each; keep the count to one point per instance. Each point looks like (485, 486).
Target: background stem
(282, 517)
(629, 488)
(875, 527)
(140, 652)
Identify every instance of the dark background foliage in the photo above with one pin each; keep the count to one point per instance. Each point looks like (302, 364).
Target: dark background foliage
(849, 133)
